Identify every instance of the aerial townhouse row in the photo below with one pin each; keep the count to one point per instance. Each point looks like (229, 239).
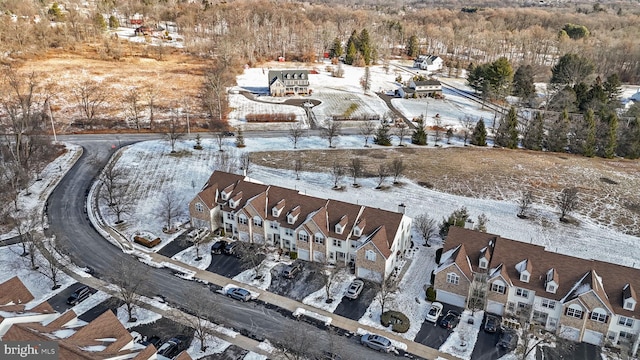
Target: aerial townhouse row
(318, 230)
(583, 300)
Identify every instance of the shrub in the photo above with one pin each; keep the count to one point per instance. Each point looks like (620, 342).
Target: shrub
(399, 322)
(293, 255)
(431, 294)
(267, 118)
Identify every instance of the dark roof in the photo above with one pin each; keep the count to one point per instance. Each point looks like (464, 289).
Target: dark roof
(283, 75)
(569, 270)
(427, 82)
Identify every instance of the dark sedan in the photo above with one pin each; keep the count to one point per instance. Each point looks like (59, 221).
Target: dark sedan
(450, 320)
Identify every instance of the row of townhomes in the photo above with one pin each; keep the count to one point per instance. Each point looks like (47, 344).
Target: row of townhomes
(105, 338)
(579, 299)
(319, 230)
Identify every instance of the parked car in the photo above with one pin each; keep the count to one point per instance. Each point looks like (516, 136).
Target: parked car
(228, 133)
(174, 346)
(153, 340)
(491, 324)
(230, 248)
(434, 312)
(218, 247)
(78, 296)
(239, 294)
(508, 340)
(292, 270)
(355, 289)
(450, 320)
(376, 342)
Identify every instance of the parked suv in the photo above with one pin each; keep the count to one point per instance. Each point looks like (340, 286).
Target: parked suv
(173, 346)
(218, 247)
(230, 248)
(292, 270)
(78, 296)
(376, 342)
(355, 289)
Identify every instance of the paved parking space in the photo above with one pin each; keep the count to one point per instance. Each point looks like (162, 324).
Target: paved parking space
(59, 300)
(306, 282)
(164, 329)
(110, 304)
(433, 335)
(486, 348)
(355, 309)
(176, 246)
(225, 265)
(570, 350)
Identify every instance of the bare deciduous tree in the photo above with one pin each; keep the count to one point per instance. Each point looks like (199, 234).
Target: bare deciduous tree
(128, 281)
(367, 129)
(132, 99)
(426, 226)
(437, 128)
(383, 173)
(467, 127)
(297, 167)
(151, 95)
(174, 131)
(226, 161)
(337, 170)
(121, 201)
(355, 167)
(330, 131)
(386, 291)
(112, 177)
(245, 163)
(90, 96)
(481, 224)
(397, 167)
(198, 319)
(50, 259)
(567, 201)
(295, 133)
(170, 208)
(401, 131)
(525, 203)
(252, 256)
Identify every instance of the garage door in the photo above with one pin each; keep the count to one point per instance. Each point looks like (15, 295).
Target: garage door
(570, 333)
(258, 238)
(450, 298)
(495, 307)
(303, 254)
(243, 236)
(592, 337)
(368, 274)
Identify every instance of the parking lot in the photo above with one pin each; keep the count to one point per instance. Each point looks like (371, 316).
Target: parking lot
(59, 300)
(110, 304)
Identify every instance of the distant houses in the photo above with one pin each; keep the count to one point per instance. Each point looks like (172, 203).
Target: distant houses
(289, 82)
(430, 63)
(420, 89)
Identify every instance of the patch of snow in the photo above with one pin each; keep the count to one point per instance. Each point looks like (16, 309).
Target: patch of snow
(94, 348)
(266, 346)
(213, 345)
(300, 312)
(521, 266)
(254, 356)
(337, 289)
(142, 316)
(464, 336)
(63, 333)
(188, 256)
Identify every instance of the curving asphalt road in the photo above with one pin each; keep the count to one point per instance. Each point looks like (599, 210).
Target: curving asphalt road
(68, 221)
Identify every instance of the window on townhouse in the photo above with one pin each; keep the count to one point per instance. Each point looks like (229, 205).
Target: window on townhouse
(629, 305)
(357, 231)
(522, 292)
(574, 311)
(230, 216)
(625, 321)
(625, 336)
(302, 236)
(599, 315)
(291, 219)
(453, 278)
(273, 225)
(498, 287)
(511, 307)
(242, 220)
(337, 243)
(551, 289)
(524, 277)
(549, 304)
(288, 232)
(318, 238)
(483, 263)
(257, 221)
(199, 207)
(331, 255)
(370, 255)
(293, 247)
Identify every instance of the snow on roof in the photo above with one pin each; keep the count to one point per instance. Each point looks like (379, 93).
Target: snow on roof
(94, 348)
(574, 288)
(599, 284)
(446, 259)
(63, 334)
(521, 266)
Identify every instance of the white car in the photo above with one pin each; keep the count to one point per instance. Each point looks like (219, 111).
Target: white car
(434, 312)
(355, 289)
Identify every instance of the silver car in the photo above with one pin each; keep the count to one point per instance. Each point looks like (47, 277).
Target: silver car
(239, 294)
(355, 289)
(376, 342)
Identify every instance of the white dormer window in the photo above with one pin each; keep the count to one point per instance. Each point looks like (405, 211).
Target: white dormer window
(551, 288)
(338, 229)
(630, 304)
(524, 276)
(291, 219)
(483, 263)
(225, 196)
(275, 211)
(357, 231)
(233, 203)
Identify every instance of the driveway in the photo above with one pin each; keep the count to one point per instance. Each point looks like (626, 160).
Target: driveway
(164, 329)
(570, 350)
(433, 335)
(306, 282)
(225, 265)
(355, 309)
(175, 246)
(486, 348)
(59, 300)
(110, 304)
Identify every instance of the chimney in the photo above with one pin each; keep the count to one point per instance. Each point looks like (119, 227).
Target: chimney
(401, 208)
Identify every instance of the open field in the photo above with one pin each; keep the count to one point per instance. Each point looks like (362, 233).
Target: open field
(608, 189)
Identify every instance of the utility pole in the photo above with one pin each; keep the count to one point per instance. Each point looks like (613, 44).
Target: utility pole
(55, 138)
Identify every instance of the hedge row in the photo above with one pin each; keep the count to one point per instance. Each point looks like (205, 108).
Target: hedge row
(267, 118)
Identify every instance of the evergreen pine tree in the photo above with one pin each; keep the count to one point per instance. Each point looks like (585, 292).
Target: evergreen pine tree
(557, 136)
(419, 136)
(534, 133)
(351, 54)
(382, 136)
(98, 22)
(413, 47)
(589, 148)
(365, 47)
(507, 133)
(337, 50)
(479, 136)
(612, 136)
(629, 141)
(113, 22)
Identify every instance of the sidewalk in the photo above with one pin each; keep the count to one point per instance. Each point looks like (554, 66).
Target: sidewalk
(292, 305)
